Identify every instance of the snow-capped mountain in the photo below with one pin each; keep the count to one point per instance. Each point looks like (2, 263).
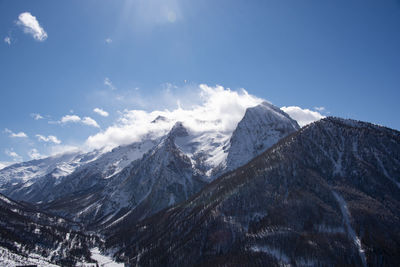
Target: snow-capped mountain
(54, 177)
(327, 195)
(29, 171)
(132, 182)
(330, 188)
(175, 169)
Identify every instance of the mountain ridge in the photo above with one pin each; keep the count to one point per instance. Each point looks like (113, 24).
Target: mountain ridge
(233, 220)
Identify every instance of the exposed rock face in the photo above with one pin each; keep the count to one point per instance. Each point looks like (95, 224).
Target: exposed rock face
(327, 195)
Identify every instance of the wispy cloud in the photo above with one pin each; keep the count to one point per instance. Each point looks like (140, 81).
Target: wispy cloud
(15, 135)
(36, 116)
(61, 149)
(31, 26)
(7, 40)
(70, 118)
(302, 116)
(108, 83)
(34, 154)
(14, 155)
(108, 41)
(48, 139)
(90, 122)
(101, 112)
(76, 119)
(320, 109)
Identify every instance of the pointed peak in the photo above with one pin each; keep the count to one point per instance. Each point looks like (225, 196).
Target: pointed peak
(159, 119)
(266, 111)
(266, 106)
(178, 130)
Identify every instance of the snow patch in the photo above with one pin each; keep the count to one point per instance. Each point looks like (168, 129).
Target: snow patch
(8, 258)
(104, 260)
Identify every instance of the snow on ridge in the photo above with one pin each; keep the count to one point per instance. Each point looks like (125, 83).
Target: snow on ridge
(5, 199)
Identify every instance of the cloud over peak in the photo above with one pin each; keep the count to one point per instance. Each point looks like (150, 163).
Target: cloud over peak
(31, 26)
(302, 116)
(215, 109)
(34, 154)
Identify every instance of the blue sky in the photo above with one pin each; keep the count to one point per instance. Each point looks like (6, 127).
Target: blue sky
(116, 56)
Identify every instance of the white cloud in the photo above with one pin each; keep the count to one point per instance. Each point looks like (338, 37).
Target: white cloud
(108, 83)
(90, 122)
(36, 116)
(7, 40)
(302, 116)
(31, 26)
(320, 109)
(216, 109)
(108, 40)
(34, 154)
(48, 139)
(101, 112)
(76, 119)
(70, 118)
(11, 153)
(61, 149)
(15, 135)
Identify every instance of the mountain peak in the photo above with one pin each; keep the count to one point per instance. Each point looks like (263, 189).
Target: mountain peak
(178, 130)
(159, 118)
(268, 112)
(261, 127)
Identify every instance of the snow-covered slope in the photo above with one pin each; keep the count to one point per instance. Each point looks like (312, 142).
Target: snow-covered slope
(68, 173)
(261, 127)
(29, 171)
